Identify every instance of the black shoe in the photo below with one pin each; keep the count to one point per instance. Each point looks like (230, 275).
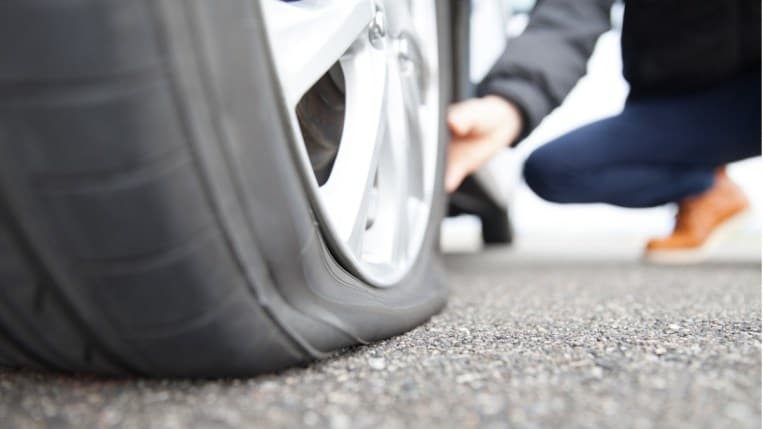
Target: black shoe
(473, 197)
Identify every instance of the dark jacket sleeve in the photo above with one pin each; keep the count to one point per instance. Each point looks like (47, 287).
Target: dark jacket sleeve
(542, 65)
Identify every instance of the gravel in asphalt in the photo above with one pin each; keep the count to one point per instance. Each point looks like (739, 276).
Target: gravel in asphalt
(520, 345)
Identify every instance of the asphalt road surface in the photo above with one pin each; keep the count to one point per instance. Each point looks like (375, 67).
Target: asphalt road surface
(524, 345)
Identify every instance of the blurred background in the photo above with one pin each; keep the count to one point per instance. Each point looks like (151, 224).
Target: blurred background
(546, 230)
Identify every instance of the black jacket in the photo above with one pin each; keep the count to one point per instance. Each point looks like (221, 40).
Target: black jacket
(668, 46)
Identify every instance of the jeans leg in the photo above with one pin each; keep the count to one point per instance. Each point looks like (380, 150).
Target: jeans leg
(634, 185)
(657, 150)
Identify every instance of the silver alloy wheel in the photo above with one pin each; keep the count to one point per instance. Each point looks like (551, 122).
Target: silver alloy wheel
(374, 205)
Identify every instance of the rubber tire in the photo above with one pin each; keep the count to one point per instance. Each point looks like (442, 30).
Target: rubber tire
(153, 219)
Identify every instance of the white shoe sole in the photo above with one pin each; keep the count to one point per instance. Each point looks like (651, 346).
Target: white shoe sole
(699, 254)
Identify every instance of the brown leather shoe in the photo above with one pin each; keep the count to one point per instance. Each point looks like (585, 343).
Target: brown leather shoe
(701, 222)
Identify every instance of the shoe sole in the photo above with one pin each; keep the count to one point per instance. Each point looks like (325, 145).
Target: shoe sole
(699, 254)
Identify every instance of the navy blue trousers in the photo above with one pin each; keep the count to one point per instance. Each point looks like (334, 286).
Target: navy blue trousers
(658, 150)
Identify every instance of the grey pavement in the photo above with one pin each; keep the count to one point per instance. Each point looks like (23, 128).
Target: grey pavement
(524, 344)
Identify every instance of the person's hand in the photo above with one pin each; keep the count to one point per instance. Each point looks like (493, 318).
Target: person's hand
(480, 128)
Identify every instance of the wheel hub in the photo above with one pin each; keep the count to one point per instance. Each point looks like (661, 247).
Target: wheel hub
(361, 80)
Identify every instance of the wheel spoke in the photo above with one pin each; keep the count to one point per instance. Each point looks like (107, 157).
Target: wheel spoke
(347, 190)
(410, 91)
(379, 241)
(387, 241)
(369, 194)
(400, 18)
(309, 36)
